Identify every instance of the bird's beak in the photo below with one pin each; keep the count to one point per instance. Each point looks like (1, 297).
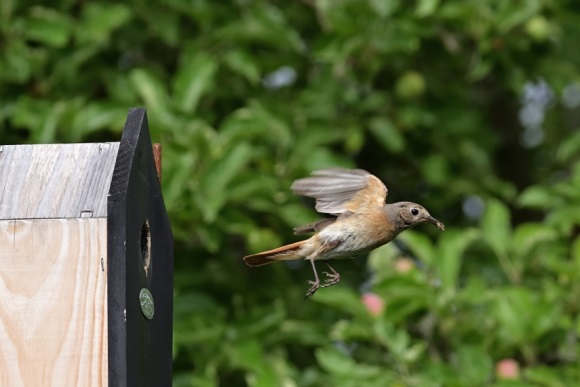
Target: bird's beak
(437, 223)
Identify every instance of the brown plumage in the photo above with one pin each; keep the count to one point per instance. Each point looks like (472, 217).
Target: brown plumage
(279, 254)
(361, 221)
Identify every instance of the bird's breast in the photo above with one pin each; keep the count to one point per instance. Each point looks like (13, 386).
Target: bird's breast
(357, 234)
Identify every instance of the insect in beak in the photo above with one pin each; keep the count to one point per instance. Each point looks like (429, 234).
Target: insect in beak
(437, 223)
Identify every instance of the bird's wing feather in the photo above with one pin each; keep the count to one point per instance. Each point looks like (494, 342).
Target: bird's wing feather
(342, 191)
(314, 226)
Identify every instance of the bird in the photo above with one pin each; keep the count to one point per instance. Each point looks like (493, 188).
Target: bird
(360, 221)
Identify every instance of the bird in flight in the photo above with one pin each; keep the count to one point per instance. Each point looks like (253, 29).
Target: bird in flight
(360, 221)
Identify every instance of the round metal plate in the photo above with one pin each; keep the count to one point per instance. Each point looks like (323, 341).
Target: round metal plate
(146, 301)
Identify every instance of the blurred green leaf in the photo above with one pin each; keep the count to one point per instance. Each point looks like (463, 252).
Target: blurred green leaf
(243, 63)
(262, 239)
(256, 123)
(194, 77)
(512, 15)
(340, 364)
(435, 170)
(522, 316)
(397, 342)
(150, 88)
(496, 227)
(100, 20)
(384, 8)
(426, 7)
(544, 376)
(214, 182)
(568, 149)
(342, 299)
(410, 85)
(381, 259)
(536, 197)
(387, 134)
(450, 249)
(96, 116)
(529, 235)
(576, 252)
(474, 365)
(48, 26)
(405, 295)
(420, 245)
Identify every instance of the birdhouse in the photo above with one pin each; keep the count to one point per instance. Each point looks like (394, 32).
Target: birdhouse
(86, 264)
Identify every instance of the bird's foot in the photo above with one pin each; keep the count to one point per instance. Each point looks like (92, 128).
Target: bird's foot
(313, 288)
(332, 279)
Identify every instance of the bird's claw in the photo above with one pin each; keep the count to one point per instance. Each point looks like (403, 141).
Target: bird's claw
(332, 279)
(313, 288)
(331, 276)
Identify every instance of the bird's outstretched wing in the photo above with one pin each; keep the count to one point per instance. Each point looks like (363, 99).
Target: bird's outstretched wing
(342, 191)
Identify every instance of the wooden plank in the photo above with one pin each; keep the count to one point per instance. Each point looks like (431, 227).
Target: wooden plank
(56, 180)
(53, 292)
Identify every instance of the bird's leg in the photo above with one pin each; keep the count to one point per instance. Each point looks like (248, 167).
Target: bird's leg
(316, 283)
(333, 277)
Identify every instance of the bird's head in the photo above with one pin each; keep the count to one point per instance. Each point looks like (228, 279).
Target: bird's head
(408, 214)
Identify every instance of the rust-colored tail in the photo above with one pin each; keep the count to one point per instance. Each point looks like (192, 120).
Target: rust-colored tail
(288, 252)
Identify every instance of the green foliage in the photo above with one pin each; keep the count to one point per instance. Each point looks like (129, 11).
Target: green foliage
(248, 95)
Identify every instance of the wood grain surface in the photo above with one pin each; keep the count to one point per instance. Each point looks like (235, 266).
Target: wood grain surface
(56, 180)
(53, 292)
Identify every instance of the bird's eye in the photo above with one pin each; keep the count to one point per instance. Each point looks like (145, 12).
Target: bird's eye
(414, 211)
